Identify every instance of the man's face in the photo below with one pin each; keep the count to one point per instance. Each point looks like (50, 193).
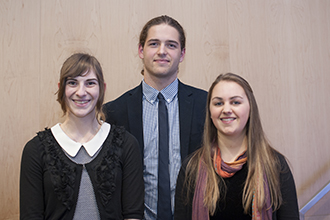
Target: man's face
(161, 53)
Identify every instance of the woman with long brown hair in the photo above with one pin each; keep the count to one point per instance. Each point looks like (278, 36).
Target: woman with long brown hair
(236, 174)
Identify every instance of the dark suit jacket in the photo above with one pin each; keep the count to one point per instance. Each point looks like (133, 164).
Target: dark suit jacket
(127, 111)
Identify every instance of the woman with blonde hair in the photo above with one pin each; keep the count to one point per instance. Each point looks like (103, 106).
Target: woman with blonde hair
(236, 174)
(83, 168)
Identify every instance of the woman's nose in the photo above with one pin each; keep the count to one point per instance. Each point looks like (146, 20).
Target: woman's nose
(227, 109)
(81, 90)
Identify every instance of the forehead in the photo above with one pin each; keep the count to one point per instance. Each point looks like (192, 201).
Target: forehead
(228, 89)
(163, 32)
(88, 74)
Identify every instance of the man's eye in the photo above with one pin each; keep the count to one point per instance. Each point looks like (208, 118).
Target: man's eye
(172, 46)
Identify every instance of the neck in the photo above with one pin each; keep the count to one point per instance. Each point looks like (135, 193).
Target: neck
(159, 83)
(231, 147)
(80, 130)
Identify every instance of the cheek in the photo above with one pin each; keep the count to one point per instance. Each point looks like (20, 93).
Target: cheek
(68, 92)
(148, 54)
(215, 121)
(214, 113)
(96, 94)
(246, 114)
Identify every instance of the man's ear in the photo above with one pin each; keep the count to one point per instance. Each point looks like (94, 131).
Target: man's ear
(183, 53)
(140, 50)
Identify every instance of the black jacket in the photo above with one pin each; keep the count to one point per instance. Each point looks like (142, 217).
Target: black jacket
(127, 111)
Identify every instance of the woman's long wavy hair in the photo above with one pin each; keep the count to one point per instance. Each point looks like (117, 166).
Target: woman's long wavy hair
(264, 162)
(80, 64)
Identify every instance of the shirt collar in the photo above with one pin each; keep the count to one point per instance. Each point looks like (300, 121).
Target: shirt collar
(169, 92)
(72, 148)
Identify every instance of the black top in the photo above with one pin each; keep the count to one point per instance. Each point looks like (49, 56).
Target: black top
(231, 206)
(49, 182)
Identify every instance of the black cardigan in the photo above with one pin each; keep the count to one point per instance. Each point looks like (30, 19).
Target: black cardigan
(49, 183)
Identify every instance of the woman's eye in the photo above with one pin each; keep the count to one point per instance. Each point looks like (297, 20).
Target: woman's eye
(91, 83)
(236, 102)
(71, 83)
(218, 103)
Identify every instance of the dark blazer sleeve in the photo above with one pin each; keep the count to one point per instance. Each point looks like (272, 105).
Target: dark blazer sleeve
(126, 111)
(116, 111)
(192, 105)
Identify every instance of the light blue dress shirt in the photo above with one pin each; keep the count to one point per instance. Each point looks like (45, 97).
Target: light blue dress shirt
(150, 132)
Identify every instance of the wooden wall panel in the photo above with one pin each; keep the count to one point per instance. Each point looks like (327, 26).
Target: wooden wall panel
(19, 89)
(276, 45)
(66, 27)
(310, 83)
(282, 47)
(112, 36)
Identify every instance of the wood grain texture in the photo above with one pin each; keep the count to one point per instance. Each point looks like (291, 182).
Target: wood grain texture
(19, 89)
(282, 47)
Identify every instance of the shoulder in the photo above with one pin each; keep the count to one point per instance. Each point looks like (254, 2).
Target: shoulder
(32, 143)
(187, 160)
(282, 161)
(35, 144)
(283, 167)
(121, 99)
(34, 151)
(192, 159)
(121, 137)
(31, 149)
(116, 111)
(124, 144)
(189, 92)
(190, 89)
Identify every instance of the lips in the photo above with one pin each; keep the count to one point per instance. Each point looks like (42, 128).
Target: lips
(162, 60)
(81, 102)
(227, 120)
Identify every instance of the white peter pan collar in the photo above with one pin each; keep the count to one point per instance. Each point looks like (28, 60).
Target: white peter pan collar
(72, 148)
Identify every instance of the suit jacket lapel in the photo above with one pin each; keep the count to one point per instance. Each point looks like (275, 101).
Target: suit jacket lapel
(134, 109)
(186, 104)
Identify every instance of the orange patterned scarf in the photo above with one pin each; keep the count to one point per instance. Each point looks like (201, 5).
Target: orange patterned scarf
(225, 170)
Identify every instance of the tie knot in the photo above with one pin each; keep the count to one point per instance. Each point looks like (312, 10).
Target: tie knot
(160, 96)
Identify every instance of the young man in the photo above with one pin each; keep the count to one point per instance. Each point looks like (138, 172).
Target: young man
(162, 49)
